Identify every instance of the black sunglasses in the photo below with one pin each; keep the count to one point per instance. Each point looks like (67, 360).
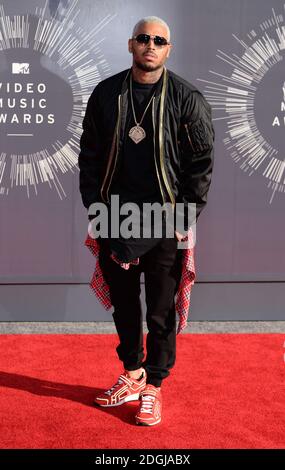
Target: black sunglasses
(145, 38)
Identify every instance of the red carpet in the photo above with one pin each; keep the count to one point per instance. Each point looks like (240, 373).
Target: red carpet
(225, 391)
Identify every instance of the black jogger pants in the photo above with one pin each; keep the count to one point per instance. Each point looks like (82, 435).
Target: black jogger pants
(162, 271)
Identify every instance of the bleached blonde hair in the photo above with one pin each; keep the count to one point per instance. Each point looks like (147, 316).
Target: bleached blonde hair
(151, 19)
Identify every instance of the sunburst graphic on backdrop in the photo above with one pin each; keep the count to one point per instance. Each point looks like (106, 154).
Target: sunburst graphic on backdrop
(251, 101)
(49, 66)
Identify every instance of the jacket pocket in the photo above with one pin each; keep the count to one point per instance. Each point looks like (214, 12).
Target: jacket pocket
(199, 135)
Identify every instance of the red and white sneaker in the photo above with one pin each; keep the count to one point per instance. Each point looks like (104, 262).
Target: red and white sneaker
(124, 390)
(150, 407)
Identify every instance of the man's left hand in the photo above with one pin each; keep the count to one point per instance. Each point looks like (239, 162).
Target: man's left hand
(179, 236)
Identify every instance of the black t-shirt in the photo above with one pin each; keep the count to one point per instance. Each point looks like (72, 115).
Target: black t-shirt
(137, 179)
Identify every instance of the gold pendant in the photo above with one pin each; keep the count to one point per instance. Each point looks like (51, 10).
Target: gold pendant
(137, 134)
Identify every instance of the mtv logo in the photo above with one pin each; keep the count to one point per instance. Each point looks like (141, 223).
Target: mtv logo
(20, 68)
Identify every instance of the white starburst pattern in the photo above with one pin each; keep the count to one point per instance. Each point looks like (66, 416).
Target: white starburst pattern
(233, 99)
(75, 58)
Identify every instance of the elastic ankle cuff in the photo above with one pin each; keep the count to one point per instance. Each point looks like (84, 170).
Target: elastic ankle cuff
(156, 384)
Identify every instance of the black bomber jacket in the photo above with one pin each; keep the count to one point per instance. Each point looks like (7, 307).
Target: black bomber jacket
(183, 141)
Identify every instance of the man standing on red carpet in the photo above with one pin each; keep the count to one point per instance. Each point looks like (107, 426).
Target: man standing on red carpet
(148, 138)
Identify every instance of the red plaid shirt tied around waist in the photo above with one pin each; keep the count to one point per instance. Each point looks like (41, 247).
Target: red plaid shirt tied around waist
(100, 287)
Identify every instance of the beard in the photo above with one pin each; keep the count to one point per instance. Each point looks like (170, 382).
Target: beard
(147, 67)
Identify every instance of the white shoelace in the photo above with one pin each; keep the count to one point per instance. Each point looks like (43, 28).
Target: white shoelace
(147, 403)
(108, 392)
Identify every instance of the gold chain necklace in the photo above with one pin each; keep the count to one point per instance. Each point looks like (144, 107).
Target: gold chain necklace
(137, 133)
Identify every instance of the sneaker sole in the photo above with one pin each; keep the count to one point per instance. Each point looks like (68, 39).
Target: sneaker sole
(143, 423)
(133, 397)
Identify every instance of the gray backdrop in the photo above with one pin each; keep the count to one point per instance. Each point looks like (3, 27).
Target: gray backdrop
(45, 267)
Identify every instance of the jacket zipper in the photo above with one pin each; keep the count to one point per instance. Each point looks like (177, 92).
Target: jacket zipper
(157, 173)
(186, 127)
(116, 136)
(172, 198)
